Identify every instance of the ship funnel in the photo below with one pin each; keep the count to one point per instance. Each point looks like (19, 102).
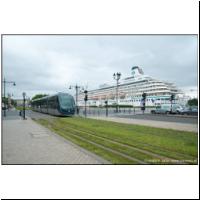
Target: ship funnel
(136, 71)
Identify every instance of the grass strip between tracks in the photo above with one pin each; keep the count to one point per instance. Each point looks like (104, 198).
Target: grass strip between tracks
(127, 144)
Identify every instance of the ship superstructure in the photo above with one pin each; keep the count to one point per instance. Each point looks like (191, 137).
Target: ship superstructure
(130, 91)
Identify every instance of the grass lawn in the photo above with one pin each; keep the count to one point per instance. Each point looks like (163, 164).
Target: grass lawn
(21, 108)
(127, 144)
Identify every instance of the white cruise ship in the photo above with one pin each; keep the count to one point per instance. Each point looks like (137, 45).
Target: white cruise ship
(130, 91)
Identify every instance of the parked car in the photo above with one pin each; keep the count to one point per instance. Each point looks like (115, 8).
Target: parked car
(159, 110)
(189, 111)
(167, 109)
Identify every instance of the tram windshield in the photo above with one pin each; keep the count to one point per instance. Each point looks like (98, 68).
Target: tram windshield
(66, 101)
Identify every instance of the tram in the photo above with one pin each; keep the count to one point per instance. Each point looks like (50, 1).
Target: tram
(60, 104)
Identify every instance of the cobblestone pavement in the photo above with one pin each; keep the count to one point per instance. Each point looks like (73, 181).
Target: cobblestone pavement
(26, 142)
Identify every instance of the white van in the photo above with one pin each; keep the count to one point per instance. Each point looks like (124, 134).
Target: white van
(176, 108)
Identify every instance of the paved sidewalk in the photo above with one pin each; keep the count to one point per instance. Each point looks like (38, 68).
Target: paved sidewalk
(26, 142)
(152, 123)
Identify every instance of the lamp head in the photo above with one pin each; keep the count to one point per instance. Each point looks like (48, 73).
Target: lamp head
(118, 75)
(24, 94)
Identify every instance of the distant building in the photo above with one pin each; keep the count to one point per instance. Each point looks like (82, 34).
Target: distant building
(130, 91)
(20, 102)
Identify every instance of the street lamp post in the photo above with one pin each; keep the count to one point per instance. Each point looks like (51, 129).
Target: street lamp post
(24, 99)
(106, 102)
(117, 77)
(76, 88)
(4, 91)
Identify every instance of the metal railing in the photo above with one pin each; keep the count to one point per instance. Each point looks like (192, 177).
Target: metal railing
(98, 111)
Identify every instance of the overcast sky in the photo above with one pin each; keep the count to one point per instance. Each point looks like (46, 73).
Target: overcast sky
(48, 64)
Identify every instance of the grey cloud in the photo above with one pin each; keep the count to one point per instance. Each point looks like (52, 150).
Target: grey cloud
(52, 63)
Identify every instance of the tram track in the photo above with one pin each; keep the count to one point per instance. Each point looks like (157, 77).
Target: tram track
(149, 152)
(103, 142)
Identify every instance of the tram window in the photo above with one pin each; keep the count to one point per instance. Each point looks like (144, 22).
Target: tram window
(52, 102)
(67, 102)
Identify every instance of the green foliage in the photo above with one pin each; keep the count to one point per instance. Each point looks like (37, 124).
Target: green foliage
(193, 102)
(5, 100)
(21, 108)
(13, 102)
(38, 96)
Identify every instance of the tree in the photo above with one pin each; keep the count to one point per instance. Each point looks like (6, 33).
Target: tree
(5, 100)
(193, 102)
(38, 96)
(14, 102)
